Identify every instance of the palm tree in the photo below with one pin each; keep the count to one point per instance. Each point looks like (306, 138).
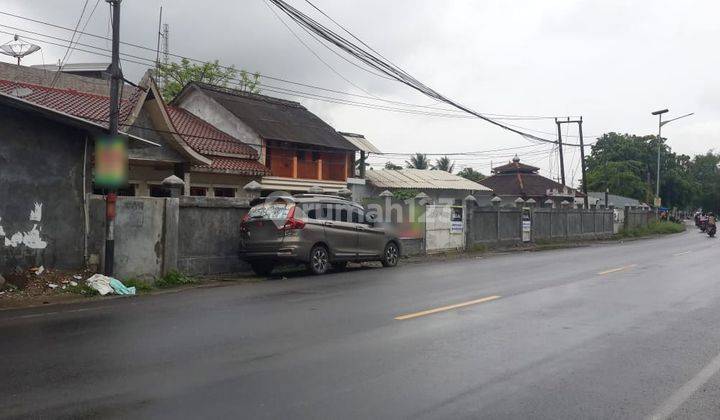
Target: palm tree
(392, 166)
(418, 161)
(444, 164)
(471, 174)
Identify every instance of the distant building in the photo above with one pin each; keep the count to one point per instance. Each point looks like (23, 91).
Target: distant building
(439, 186)
(92, 70)
(597, 198)
(518, 180)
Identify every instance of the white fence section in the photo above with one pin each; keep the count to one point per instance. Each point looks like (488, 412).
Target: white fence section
(444, 228)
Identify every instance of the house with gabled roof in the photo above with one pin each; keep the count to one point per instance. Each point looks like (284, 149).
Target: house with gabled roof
(210, 161)
(299, 149)
(515, 180)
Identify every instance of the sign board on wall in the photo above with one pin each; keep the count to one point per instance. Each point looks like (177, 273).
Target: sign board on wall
(111, 162)
(456, 219)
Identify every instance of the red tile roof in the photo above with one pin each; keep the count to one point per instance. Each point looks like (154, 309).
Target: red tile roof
(205, 138)
(95, 108)
(235, 165)
(200, 135)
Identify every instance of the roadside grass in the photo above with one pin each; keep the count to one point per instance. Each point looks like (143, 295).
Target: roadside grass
(174, 279)
(83, 289)
(170, 280)
(654, 228)
(139, 285)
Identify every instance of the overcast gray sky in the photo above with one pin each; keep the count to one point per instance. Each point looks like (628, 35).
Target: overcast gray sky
(613, 62)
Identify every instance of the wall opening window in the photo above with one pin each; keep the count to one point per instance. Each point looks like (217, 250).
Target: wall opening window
(198, 191)
(158, 191)
(224, 192)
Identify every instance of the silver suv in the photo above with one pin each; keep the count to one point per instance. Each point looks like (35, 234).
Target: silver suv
(321, 231)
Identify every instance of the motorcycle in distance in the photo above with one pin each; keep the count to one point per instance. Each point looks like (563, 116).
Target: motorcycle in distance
(702, 223)
(710, 225)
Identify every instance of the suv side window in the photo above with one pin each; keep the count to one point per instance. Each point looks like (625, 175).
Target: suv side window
(344, 216)
(337, 212)
(358, 216)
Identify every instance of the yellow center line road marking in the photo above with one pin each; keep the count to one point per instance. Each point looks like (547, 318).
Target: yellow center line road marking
(615, 270)
(446, 308)
(681, 253)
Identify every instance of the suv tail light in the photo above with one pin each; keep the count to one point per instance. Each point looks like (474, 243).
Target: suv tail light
(292, 223)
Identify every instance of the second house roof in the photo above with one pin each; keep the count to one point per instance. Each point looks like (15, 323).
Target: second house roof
(274, 118)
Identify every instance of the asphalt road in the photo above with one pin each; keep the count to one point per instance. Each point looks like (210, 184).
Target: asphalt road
(610, 331)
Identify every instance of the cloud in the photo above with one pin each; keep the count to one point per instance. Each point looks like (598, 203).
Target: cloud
(611, 61)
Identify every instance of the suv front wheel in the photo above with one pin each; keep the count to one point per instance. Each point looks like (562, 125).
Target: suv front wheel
(390, 255)
(319, 260)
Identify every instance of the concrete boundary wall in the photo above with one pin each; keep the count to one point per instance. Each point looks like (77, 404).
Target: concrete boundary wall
(503, 226)
(154, 236)
(209, 235)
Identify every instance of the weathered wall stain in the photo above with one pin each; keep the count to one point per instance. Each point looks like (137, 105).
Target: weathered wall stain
(41, 192)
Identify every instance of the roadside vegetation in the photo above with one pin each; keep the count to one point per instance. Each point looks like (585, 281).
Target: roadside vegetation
(653, 228)
(168, 281)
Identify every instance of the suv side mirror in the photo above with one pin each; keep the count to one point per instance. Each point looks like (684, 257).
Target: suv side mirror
(370, 219)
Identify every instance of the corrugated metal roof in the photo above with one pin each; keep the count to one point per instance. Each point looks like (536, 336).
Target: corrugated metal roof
(360, 142)
(421, 179)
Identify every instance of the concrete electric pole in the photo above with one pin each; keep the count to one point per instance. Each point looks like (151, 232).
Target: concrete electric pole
(115, 80)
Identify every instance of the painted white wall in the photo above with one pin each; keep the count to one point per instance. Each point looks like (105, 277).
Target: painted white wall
(216, 115)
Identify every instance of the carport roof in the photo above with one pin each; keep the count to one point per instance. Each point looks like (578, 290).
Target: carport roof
(421, 179)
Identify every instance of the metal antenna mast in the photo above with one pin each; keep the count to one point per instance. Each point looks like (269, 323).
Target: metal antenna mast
(165, 48)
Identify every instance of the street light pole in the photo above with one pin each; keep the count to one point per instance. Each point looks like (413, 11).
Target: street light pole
(659, 141)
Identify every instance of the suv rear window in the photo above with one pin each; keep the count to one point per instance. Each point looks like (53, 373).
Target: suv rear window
(274, 210)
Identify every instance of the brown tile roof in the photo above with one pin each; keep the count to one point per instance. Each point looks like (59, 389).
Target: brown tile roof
(88, 106)
(515, 166)
(234, 166)
(205, 138)
(525, 185)
(275, 119)
(200, 135)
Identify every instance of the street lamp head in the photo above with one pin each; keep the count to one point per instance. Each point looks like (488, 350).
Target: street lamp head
(662, 111)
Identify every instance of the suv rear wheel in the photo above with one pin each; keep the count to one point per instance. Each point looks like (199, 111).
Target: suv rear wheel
(319, 260)
(261, 268)
(390, 255)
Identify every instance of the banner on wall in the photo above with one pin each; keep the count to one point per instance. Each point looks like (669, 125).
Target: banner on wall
(111, 162)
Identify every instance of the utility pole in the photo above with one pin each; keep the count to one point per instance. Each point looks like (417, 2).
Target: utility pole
(582, 154)
(560, 151)
(582, 163)
(115, 80)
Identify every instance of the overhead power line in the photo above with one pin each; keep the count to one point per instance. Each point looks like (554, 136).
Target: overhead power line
(385, 66)
(147, 62)
(264, 76)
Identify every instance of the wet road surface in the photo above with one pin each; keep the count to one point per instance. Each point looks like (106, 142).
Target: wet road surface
(610, 331)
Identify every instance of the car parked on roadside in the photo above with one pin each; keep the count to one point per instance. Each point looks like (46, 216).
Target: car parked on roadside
(318, 230)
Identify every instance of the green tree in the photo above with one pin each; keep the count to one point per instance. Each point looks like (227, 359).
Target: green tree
(184, 72)
(704, 173)
(444, 164)
(392, 166)
(471, 174)
(622, 178)
(418, 161)
(627, 164)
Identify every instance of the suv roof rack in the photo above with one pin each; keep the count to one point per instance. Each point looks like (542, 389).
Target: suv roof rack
(302, 195)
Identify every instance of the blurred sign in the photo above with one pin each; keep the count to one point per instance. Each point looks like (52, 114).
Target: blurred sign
(456, 219)
(658, 201)
(526, 225)
(111, 162)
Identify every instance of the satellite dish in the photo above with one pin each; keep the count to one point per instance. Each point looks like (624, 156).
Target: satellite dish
(18, 48)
